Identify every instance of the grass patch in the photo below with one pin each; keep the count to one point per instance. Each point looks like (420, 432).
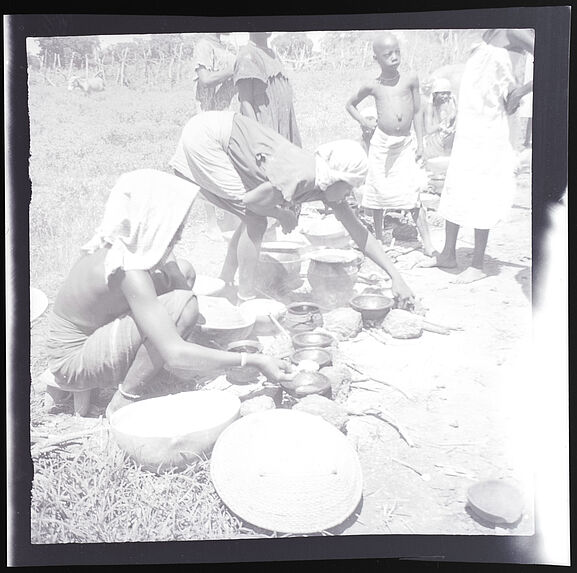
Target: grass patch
(103, 497)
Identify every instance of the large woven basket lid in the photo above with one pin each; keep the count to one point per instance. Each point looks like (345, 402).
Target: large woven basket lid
(287, 471)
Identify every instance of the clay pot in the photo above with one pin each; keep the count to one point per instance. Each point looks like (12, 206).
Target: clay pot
(373, 307)
(302, 317)
(279, 272)
(332, 274)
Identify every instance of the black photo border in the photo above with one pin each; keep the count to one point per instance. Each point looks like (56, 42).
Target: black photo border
(550, 172)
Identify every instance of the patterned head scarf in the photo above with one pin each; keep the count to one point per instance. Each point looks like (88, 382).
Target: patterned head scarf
(143, 213)
(342, 160)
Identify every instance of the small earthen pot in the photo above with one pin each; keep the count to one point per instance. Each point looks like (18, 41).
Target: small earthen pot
(302, 317)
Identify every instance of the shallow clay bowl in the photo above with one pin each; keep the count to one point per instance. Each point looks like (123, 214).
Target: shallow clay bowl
(312, 340)
(302, 308)
(174, 430)
(495, 501)
(319, 355)
(372, 306)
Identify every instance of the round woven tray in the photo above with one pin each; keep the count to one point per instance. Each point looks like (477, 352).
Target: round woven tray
(287, 471)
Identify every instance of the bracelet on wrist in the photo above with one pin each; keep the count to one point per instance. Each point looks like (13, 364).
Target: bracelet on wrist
(127, 395)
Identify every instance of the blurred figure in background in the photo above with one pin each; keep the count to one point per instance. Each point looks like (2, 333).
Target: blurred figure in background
(526, 105)
(214, 65)
(439, 116)
(370, 116)
(264, 90)
(265, 95)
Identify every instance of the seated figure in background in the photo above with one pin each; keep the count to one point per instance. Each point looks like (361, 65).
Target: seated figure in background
(440, 116)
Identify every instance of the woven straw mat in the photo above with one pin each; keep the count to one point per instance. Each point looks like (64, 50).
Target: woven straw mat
(287, 471)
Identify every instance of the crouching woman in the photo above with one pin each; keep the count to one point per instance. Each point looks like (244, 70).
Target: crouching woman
(127, 307)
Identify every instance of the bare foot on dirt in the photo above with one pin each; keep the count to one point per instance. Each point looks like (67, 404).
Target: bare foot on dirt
(439, 260)
(118, 401)
(470, 275)
(230, 292)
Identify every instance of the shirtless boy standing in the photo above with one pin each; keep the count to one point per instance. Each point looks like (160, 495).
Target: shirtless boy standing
(394, 178)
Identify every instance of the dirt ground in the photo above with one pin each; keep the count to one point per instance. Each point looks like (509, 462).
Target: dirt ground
(462, 404)
(467, 416)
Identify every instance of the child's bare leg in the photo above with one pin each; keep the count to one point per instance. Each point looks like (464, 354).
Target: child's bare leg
(378, 222)
(230, 264)
(481, 237)
(448, 257)
(420, 217)
(148, 362)
(475, 272)
(211, 225)
(248, 254)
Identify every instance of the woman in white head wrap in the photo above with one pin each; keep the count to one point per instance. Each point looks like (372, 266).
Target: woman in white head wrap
(253, 172)
(112, 323)
(440, 115)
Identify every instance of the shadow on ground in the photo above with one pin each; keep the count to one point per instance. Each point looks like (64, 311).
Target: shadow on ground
(492, 267)
(523, 277)
(490, 525)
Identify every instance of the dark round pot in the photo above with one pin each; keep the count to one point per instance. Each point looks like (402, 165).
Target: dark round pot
(243, 374)
(302, 317)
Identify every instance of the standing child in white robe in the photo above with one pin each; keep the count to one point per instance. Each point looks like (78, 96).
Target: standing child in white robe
(480, 180)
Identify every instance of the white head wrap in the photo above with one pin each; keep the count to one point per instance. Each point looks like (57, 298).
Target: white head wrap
(342, 160)
(441, 85)
(142, 215)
